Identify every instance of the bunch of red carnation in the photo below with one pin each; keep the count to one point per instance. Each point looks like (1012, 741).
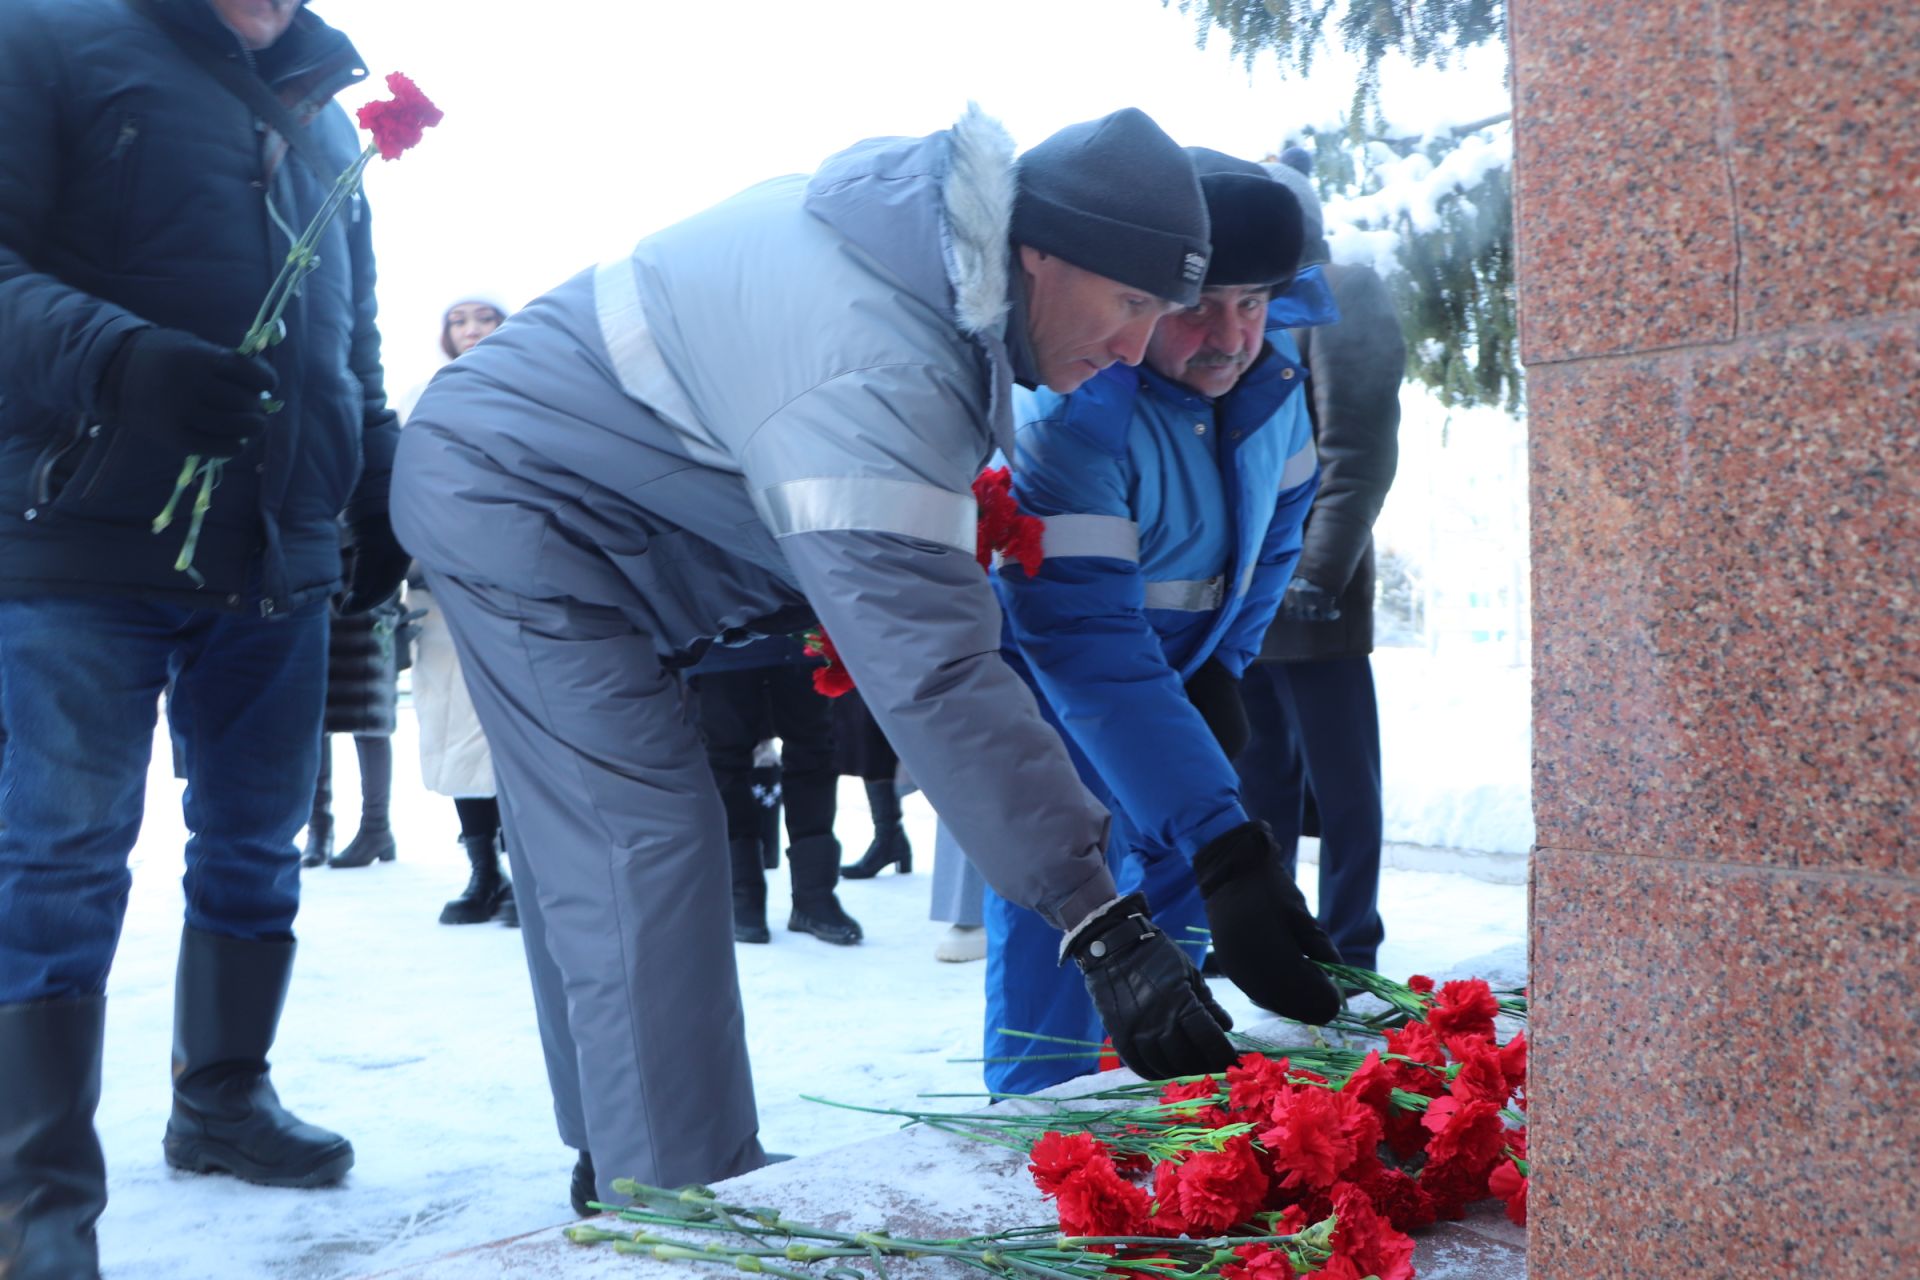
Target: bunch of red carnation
(1000, 529)
(1412, 1135)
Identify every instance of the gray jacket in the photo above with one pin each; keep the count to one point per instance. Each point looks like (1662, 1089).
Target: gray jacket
(1354, 370)
(780, 404)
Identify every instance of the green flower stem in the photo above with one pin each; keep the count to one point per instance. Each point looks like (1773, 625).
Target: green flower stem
(165, 518)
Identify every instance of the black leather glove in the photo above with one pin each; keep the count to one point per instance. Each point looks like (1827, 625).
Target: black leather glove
(1216, 695)
(1305, 602)
(1263, 934)
(375, 564)
(1155, 1004)
(191, 395)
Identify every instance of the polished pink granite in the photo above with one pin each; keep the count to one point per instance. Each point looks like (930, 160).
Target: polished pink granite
(1727, 600)
(1724, 1080)
(1717, 209)
(1824, 111)
(1624, 223)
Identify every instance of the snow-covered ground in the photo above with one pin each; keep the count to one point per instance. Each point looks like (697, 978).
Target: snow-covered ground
(417, 1041)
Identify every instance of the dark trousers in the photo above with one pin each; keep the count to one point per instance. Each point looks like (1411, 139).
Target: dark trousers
(739, 710)
(1315, 734)
(80, 682)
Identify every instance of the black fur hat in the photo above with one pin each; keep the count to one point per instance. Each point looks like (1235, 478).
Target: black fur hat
(1258, 230)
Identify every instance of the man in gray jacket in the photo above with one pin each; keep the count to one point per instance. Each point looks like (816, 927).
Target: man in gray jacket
(768, 415)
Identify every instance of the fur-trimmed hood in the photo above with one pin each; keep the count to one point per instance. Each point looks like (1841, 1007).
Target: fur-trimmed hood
(889, 195)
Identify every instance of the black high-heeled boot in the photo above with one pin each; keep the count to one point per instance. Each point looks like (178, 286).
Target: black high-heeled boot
(373, 842)
(889, 837)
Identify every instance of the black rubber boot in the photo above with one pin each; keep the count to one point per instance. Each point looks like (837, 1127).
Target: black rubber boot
(226, 1116)
(889, 837)
(53, 1178)
(815, 864)
(580, 1188)
(320, 824)
(486, 887)
(749, 891)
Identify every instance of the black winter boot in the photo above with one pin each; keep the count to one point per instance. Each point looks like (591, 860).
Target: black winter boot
(509, 912)
(486, 887)
(889, 837)
(815, 864)
(53, 1178)
(373, 842)
(580, 1188)
(749, 891)
(320, 824)
(226, 1116)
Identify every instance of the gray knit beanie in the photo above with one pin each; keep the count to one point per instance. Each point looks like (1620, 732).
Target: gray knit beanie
(1116, 196)
(1287, 172)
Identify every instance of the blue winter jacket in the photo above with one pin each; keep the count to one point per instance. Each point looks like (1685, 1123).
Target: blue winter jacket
(1172, 526)
(136, 190)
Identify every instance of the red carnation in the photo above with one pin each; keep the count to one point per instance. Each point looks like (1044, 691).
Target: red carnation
(1510, 1185)
(1338, 1268)
(1001, 526)
(1254, 1082)
(832, 679)
(1404, 1201)
(1470, 1134)
(1058, 1156)
(1464, 1009)
(1481, 1075)
(1513, 1061)
(1421, 983)
(1306, 1140)
(1368, 1240)
(1097, 1201)
(397, 123)
(1205, 1089)
(1215, 1190)
(1259, 1262)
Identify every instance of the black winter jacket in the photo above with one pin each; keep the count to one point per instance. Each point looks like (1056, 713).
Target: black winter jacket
(136, 190)
(1355, 366)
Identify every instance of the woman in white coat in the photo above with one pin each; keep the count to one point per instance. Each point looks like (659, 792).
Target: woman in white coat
(454, 759)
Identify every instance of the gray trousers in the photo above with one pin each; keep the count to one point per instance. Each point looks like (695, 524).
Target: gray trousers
(959, 890)
(618, 848)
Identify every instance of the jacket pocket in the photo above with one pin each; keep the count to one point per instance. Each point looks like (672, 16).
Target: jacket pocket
(48, 478)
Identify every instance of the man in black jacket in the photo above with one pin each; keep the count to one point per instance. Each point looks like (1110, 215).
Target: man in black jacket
(146, 204)
(1314, 726)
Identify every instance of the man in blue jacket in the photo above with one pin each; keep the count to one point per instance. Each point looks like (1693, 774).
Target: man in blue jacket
(1173, 496)
(155, 156)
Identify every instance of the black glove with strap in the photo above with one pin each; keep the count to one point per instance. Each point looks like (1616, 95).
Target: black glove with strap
(185, 392)
(1154, 1003)
(376, 564)
(1215, 694)
(1305, 602)
(1263, 935)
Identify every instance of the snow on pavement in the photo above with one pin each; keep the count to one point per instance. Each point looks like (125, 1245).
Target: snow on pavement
(416, 1040)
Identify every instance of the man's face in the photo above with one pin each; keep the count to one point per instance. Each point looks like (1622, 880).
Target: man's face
(258, 23)
(1079, 323)
(1209, 345)
(468, 323)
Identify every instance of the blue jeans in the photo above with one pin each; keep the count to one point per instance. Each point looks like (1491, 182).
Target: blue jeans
(80, 682)
(1316, 726)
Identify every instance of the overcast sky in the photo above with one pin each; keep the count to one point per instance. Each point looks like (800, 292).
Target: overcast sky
(574, 127)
